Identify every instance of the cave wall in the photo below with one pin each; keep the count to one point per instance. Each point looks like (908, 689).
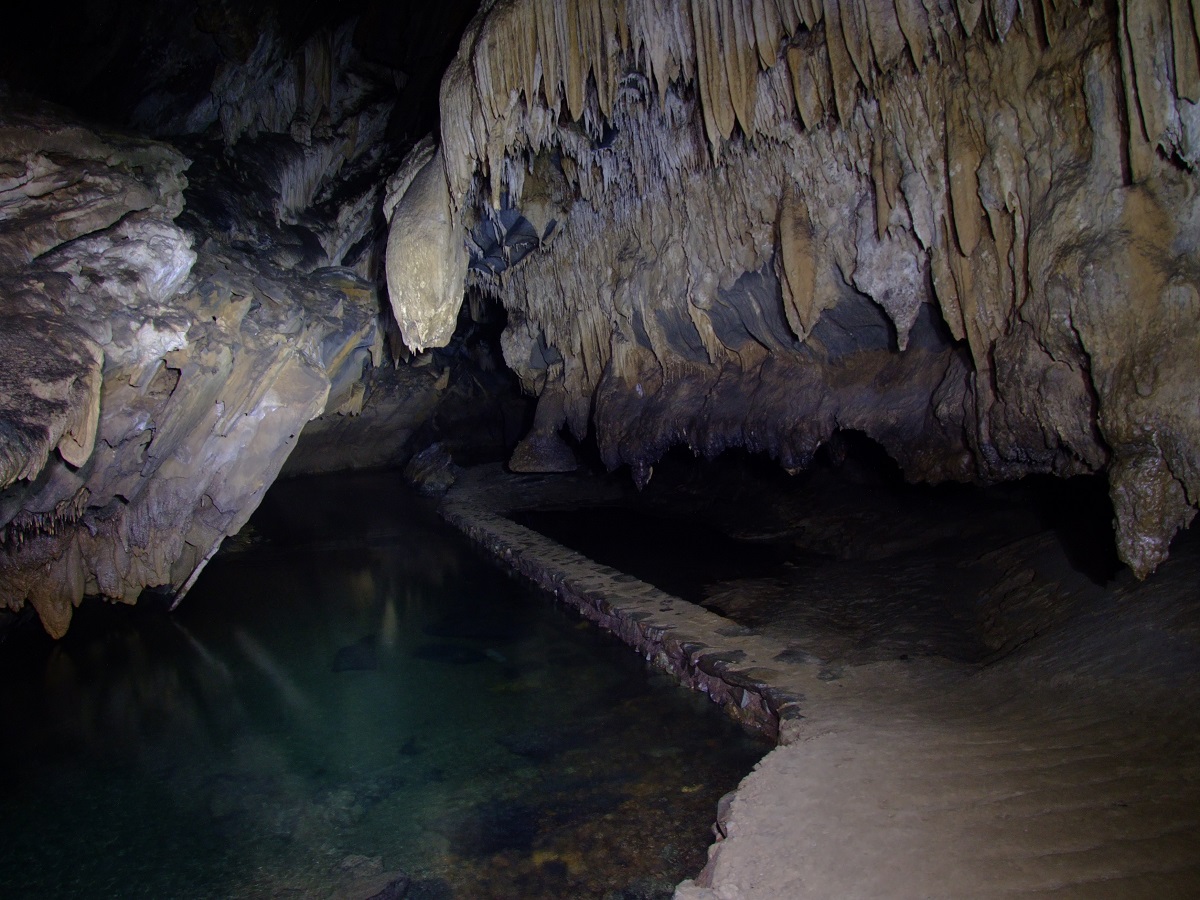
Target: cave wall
(151, 389)
(174, 312)
(967, 229)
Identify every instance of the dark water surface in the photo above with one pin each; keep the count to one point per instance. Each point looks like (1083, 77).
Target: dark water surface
(356, 691)
(677, 554)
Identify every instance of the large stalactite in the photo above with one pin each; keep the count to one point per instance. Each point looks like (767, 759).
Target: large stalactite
(967, 229)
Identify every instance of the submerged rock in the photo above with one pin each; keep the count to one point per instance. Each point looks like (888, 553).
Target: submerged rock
(430, 889)
(396, 888)
(363, 878)
(496, 826)
(360, 865)
(542, 744)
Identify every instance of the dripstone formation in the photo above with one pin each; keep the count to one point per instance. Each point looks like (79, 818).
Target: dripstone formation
(151, 389)
(172, 315)
(967, 229)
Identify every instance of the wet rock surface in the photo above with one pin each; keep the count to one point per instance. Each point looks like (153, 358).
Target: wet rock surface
(431, 471)
(179, 371)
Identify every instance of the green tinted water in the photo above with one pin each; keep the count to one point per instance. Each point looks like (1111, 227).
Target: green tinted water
(354, 693)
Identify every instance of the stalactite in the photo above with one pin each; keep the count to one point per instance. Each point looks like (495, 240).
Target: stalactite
(930, 154)
(546, 52)
(27, 526)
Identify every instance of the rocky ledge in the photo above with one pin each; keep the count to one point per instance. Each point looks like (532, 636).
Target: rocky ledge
(751, 676)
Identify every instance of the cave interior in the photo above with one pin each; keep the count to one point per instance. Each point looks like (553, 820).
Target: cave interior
(842, 357)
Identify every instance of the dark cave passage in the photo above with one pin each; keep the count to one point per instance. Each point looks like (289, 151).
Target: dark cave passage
(682, 556)
(850, 563)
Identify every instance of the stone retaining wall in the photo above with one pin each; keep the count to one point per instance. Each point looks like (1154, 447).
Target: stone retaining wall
(753, 678)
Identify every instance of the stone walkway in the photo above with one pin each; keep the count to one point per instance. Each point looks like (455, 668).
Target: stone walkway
(1068, 769)
(753, 677)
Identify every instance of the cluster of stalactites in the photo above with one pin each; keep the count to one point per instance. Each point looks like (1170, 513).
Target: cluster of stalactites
(755, 65)
(27, 525)
(1021, 166)
(542, 54)
(522, 61)
(1160, 60)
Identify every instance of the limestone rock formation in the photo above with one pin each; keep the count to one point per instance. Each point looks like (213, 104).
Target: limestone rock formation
(165, 339)
(150, 389)
(966, 229)
(426, 259)
(460, 398)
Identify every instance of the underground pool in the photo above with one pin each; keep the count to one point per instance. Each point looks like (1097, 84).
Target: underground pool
(352, 699)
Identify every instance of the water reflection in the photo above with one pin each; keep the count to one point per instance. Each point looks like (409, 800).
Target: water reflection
(353, 694)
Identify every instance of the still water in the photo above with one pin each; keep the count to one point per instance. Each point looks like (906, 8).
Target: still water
(351, 692)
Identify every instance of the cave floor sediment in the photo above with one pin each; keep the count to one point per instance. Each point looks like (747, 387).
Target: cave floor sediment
(970, 700)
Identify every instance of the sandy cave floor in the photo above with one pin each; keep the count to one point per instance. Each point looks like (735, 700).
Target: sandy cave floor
(991, 706)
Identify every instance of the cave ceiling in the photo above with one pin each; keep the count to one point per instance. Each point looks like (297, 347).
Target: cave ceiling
(190, 241)
(964, 228)
(967, 229)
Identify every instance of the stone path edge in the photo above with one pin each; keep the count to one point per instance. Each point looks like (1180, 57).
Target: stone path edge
(756, 680)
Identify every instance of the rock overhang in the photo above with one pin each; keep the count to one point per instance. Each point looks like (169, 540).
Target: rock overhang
(964, 163)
